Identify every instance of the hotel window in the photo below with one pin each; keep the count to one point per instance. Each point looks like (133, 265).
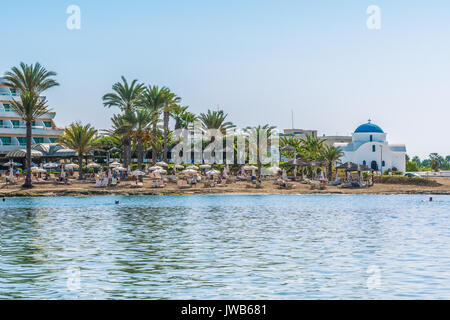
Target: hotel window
(22, 140)
(15, 123)
(52, 140)
(1, 123)
(13, 91)
(6, 140)
(7, 107)
(373, 148)
(47, 124)
(38, 140)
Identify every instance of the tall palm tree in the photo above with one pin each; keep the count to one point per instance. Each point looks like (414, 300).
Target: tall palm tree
(154, 99)
(30, 81)
(215, 120)
(331, 154)
(255, 134)
(177, 113)
(313, 150)
(80, 138)
(120, 131)
(171, 102)
(126, 97)
(139, 122)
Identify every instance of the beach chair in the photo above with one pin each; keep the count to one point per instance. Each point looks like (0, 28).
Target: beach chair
(182, 184)
(208, 184)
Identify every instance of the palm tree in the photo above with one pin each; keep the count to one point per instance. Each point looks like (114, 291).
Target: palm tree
(154, 99)
(126, 97)
(255, 134)
(215, 120)
(331, 154)
(171, 102)
(30, 81)
(313, 148)
(177, 113)
(139, 122)
(120, 131)
(80, 138)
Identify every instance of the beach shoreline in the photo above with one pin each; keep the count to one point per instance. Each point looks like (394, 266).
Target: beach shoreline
(78, 189)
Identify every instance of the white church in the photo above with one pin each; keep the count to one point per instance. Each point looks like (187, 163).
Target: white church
(369, 147)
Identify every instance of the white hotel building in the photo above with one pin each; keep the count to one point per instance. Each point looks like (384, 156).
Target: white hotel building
(12, 127)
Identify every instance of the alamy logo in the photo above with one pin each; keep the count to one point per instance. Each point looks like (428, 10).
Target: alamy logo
(374, 19)
(74, 20)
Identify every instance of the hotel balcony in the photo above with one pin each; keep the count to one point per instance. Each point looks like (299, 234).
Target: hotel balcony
(36, 130)
(8, 97)
(15, 144)
(13, 114)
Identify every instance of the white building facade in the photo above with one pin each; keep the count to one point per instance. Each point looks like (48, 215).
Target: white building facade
(369, 147)
(13, 128)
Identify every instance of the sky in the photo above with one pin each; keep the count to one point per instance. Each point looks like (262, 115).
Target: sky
(256, 60)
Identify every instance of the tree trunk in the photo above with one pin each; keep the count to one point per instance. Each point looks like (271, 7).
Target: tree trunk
(80, 164)
(166, 132)
(126, 142)
(140, 153)
(330, 171)
(154, 144)
(27, 183)
(130, 154)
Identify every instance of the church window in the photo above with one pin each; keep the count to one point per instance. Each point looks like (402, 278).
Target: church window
(373, 148)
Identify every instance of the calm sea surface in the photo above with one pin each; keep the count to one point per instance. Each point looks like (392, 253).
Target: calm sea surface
(226, 247)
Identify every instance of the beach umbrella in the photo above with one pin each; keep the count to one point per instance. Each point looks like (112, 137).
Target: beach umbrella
(50, 165)
(160, 171)
(162, 164)
(178, 166)
(205, 166)
(213, 172)
(192, 167)
(274, 169)
(114, 164)
(71, 166)
(189, 171)
(248, 168)
(155, 168)
(93, 165)
(119, 169)
(138, 173)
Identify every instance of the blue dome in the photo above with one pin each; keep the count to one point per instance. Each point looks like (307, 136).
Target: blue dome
(368, 127)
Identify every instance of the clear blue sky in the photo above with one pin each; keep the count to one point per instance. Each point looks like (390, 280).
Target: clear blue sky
(257, 60)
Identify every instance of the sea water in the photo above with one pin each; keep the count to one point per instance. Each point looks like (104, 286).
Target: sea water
(226, 247)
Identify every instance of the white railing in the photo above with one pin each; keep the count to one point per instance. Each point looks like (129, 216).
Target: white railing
(442, 174)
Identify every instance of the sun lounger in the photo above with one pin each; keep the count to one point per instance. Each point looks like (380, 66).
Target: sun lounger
(158, 183)
(182, 184)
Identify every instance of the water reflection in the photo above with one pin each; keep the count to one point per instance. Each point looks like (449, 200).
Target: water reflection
(225, 247)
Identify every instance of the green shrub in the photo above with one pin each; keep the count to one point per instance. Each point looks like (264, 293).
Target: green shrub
(406, 181)
(412, 166)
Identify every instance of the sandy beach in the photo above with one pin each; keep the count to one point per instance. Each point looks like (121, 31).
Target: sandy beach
(78, 188)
